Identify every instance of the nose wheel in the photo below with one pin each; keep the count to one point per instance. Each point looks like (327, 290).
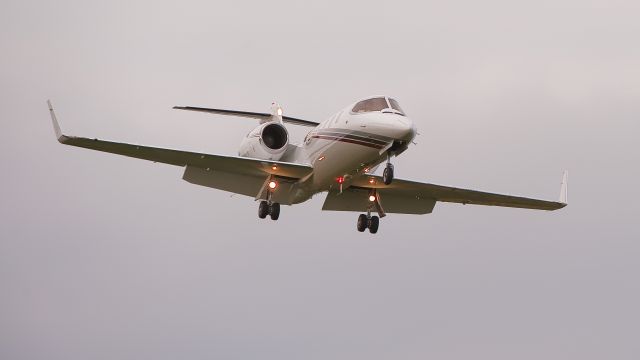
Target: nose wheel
(265, 209)
(387, 174)
(368, 222)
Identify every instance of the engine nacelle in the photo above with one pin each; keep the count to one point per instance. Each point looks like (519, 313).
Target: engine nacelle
(268, 141)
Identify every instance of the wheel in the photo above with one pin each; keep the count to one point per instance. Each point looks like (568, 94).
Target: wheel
(263, 209)
(374, 222)
(387, 175)
(362, 222)
(274, 211)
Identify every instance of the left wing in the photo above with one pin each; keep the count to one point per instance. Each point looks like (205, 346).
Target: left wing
(410, 197)
(228, 164)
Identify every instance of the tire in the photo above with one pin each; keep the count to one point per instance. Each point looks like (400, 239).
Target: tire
(274, 211)
(362, 222)
(263, 209)
(387, 175)
(374, 222)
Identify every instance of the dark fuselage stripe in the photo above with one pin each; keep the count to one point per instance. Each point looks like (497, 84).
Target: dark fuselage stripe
(355, 137)
(349, 140)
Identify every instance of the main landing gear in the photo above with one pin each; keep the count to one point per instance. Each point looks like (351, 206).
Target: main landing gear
(368, 221)
(265, 209)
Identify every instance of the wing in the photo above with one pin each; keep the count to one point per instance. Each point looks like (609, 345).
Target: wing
(229, 164)
(410, 197)
(253, 115)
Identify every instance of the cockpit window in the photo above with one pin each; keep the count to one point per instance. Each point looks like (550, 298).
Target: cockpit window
(396, 106)
(375, 104)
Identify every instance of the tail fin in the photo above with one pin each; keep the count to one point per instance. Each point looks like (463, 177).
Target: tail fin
(276, 113)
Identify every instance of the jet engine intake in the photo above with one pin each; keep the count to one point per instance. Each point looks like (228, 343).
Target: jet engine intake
(268, 141)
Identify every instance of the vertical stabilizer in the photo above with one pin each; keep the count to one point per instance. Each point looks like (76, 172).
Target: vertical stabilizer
(276, 114)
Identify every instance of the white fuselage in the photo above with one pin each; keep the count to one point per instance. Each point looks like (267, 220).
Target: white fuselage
(349, 145)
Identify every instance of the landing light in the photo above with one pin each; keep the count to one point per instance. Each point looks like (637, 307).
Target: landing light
(274, 167)
(279, 111)
(372, 198)
(372, 180)
(272, 184)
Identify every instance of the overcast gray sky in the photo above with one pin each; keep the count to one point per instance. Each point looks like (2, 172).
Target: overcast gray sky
(105, 257)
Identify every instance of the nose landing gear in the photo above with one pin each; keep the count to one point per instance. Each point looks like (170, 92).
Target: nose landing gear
(387, 174)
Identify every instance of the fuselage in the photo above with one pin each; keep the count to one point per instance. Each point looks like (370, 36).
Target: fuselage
(351, 144)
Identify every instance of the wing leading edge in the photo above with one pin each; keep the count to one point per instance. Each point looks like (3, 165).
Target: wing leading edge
(229, 164)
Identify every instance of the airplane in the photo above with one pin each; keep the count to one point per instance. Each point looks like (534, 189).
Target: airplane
(338, 156)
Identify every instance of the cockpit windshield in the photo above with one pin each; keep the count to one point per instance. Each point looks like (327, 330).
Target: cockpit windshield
(396, 106)
(375, 104)
(378, 104)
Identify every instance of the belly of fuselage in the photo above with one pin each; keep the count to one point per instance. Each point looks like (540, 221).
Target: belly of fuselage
(333, 159)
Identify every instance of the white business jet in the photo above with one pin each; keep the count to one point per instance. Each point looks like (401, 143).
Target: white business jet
(338, 156)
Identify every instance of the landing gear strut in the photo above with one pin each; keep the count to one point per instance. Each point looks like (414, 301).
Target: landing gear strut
(265, 209)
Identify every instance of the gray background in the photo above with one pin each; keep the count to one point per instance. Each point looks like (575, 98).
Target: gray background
(105, 257)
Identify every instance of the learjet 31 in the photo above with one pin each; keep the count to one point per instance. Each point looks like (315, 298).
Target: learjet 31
(338, 156)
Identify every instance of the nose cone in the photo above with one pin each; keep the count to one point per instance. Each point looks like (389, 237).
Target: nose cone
(406, 129)
(398, 127)
(394, 126)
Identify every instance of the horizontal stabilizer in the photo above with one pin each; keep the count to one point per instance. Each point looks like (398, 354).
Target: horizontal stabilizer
(247, 114)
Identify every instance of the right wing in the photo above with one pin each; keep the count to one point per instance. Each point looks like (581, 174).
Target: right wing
(228, 164)
(410, 197)
(247, 114)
